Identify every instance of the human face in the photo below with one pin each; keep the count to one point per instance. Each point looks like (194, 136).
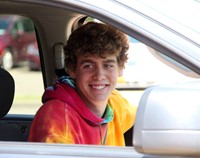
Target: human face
(96, 78)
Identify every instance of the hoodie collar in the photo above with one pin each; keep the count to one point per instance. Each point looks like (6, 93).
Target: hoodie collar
(109, 114)
(68, 80)
(64, 89)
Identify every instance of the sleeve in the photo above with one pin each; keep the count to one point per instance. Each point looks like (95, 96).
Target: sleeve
(49, 124)
(123, 109)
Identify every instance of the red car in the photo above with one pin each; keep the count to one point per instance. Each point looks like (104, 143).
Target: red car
(16, 33)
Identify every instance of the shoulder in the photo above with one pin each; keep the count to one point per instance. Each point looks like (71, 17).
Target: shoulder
(52, 107)
(56, 111)
(117, 99)
(121, 105)
(52, 104)
(124, 111)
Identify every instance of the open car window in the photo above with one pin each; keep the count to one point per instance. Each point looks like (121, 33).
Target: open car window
(146, 67)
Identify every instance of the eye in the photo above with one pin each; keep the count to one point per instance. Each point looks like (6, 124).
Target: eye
(88, 66)
(108, 66)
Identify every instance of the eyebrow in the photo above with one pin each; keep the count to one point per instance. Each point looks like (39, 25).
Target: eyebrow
(110, 61)
(86, 61)
(104, 61)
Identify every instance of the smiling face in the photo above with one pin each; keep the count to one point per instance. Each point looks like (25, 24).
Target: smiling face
(96, 78)
(95, 55)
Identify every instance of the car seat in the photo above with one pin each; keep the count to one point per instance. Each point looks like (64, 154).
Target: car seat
(7, 91)
(9, 131)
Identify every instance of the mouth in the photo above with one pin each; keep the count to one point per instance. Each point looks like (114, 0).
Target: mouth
(99, 87)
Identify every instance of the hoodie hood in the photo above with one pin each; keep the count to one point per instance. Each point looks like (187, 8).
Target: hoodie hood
(64, 90)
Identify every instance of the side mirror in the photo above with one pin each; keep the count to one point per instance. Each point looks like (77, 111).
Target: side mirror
(168, 120)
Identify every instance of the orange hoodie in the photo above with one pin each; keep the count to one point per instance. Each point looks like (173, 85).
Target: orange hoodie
(64, 118)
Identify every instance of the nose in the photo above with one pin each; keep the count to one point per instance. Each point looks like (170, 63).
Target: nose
(98, 73)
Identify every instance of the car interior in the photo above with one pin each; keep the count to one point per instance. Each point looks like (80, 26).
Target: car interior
(7, 91)
(11, 130)
(52, 65)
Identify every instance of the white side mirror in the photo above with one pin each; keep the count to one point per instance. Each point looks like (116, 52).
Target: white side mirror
(168, 120)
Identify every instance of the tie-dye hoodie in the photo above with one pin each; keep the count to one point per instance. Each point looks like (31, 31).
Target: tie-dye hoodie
(64, 118)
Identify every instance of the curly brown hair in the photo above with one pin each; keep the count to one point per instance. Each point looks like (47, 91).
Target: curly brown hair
(96, 39)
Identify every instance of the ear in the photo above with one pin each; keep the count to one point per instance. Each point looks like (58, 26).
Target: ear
(72, 74)
(120, 72)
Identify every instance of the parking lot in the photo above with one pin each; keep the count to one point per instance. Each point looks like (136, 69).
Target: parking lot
(28, 90)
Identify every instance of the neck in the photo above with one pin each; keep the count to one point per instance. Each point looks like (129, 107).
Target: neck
(97, 109)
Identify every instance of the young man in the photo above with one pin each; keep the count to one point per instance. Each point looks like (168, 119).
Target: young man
(84, 107)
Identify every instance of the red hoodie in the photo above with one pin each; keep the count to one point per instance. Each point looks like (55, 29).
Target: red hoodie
(64, 118)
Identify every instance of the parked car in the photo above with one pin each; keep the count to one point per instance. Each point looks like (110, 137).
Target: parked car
(167, 120)
(15, 33)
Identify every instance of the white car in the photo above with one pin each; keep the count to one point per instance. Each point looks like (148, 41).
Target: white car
(167, 120)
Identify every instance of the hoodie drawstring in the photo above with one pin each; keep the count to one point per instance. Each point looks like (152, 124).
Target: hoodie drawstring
(103, 141)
